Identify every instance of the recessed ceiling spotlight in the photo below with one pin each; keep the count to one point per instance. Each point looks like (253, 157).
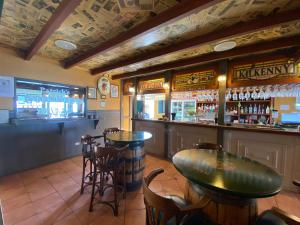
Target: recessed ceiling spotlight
(224, 46)
(67, 45)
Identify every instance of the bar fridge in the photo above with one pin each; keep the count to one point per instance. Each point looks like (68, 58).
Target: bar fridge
(185, 109)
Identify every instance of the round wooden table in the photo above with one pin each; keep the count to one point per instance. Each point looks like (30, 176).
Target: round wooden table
(134, 157)
(231, 182)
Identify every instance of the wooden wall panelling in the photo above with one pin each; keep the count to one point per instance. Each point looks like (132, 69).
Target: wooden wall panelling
(275, 151)
(184, 137)
(156, 144)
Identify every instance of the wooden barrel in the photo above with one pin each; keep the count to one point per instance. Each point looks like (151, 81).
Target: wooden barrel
(135, 165)
(223, 209)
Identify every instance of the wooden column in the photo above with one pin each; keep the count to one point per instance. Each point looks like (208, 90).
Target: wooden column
(134, 103)
(168, 79)
(222, 101)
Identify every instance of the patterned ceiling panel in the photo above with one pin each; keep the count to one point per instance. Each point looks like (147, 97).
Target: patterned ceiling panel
(22, 20)
(96, 21)
(219, 16)
(256, 37)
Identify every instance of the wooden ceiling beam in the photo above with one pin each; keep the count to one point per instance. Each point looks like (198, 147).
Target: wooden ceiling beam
(229, 32)
(182, 9)
(216, 56)
(65, 8)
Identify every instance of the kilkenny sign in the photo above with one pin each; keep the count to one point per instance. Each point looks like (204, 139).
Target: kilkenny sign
(149, 85)
(265, 70)
(194, 81)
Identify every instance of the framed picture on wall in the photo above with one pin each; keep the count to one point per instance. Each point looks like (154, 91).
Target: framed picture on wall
(114, 91)
(92, 93)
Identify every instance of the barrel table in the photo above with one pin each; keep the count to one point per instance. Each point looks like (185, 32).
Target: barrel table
(231, 183)
(134, 157)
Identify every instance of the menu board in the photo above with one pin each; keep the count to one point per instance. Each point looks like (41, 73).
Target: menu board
(264, 72)
(151, 85)
(194, 80)
(7, 86)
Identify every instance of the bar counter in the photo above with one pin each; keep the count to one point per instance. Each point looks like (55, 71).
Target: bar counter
(274, 147)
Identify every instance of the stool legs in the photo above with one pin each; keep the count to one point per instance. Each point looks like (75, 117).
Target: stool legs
(83, 175)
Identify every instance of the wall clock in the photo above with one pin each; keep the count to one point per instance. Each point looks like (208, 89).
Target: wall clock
(104, 85)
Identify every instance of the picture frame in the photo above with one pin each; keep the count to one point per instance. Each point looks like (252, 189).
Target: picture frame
(103, 96)
(91, 93)
(114, 91)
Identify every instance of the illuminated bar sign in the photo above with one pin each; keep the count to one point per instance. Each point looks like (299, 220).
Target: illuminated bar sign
(265, 70)
(194, 80)
(150, 85)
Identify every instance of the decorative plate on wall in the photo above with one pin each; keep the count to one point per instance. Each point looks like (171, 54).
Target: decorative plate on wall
(104, 85)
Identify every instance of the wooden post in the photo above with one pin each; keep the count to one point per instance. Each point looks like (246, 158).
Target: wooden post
(222, 101)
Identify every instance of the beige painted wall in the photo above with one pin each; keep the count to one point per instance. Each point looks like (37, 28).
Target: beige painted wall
(40, 68)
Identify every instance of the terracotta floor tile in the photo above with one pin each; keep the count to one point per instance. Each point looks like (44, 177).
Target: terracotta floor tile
(12, 193)
(16, 202)
(50, 194)
(30, 176)
(77, 201)
(11, 181)
(19, 214)
(134, 201)
(69, 220)
(48, 202)
(135, 217)
(65, 184)
(34, 220)
(54, 214)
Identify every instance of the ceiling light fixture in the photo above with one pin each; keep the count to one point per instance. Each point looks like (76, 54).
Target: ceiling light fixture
(67, 45)
(224, 46)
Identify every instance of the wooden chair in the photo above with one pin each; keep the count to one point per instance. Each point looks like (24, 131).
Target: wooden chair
(166, 210)
(110, 162)
(87, 142)
(109, 131)
(276, 216)
(206, 145)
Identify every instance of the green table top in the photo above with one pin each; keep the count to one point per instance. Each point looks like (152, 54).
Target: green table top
(127, 136)
(227, 173)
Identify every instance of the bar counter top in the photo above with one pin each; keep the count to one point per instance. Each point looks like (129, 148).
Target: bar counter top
(242, 127)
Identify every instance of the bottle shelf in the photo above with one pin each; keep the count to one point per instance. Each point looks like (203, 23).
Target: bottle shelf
(254, 114)
(251, 101)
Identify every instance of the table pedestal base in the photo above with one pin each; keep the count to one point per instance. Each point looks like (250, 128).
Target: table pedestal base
(134, 164)
(223, 209)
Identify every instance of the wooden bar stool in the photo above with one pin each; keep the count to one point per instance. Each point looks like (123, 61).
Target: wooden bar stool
(88, 142)
(109, 161)
(109, 131)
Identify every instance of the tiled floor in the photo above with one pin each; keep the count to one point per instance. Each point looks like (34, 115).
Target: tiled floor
(50, 195)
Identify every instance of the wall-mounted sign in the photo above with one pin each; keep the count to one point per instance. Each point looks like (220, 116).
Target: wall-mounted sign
(127, 84)
(7, 86)
(266, 72)
(194, 80)
(151, 85)
(104, 85)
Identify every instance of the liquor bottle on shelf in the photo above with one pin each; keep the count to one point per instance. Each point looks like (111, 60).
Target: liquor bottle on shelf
(254, 109)
(242, 110)
(259, 110)
(245, 109)
(250, 109)
(267, 110)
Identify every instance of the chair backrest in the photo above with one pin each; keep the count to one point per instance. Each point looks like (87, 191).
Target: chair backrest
(297, 183)
(159, 210)
(211, 146)
(88, 142)
(107, 158)
(109, 131)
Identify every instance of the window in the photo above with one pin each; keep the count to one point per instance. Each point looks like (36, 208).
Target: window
(161, 106)
(37, 100)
